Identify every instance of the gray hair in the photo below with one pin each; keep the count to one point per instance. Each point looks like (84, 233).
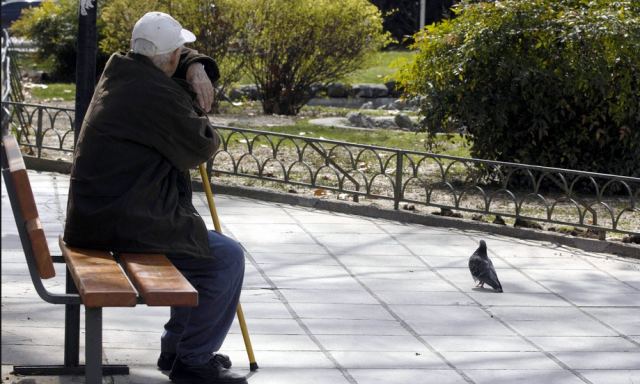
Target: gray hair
(147, 48)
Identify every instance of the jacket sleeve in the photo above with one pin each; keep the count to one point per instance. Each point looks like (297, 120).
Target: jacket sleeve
(189, 56)
(182, 136)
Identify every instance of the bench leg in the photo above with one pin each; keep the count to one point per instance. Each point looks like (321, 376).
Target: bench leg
(93, 370)
(71, 348)
(93, 345)
(71, 328)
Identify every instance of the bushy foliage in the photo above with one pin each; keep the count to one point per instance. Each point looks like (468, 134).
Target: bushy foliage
(289, 45)
(285, 45)
(215, 26)
(547, 82)
(53, 27)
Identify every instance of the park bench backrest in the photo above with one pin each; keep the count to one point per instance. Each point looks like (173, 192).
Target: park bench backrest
(22, 198)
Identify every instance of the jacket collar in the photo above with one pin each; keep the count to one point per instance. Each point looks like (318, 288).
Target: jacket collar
(143, 59)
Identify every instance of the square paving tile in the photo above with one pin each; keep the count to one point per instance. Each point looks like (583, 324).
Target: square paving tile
(417, 287)
(500, 360)
(355, 327)
(600, 360)
(378, 260)
(425, 298)
(371, 343)
(288, 256)
(528, 376)
(513, 299)
(270, 342)
(423, 359)
(584, 344)
(583, 327)
(329, 283)
(370, 249)
(604, 376)
(479, 343)
(269, 360)
(513, 281)
(342, 228)
(341, 311)
(297, 375)
(328, 296)
(624, 320)
(405, 376)
(304, 270)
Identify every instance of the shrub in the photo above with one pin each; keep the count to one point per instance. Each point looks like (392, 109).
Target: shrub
(547, 82)
(290, 45)
(53, 27)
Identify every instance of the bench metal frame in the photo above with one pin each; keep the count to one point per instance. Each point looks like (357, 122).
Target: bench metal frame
(93, 368)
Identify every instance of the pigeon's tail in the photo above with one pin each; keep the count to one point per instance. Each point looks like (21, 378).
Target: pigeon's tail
(493, 282)
(497, 286)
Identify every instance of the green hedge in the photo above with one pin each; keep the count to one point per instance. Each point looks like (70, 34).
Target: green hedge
(546, 82)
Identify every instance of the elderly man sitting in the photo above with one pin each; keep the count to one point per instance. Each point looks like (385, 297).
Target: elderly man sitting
(131, 192)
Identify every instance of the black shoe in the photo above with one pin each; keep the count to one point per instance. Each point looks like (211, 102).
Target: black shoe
(166, 359)
(210, 373)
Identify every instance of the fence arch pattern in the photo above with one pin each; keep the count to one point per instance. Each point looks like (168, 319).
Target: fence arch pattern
(600, 202)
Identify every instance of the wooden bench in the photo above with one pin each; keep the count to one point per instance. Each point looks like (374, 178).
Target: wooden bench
(94, 279)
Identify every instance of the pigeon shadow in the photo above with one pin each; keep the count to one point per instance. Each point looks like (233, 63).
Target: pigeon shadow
(478, 289)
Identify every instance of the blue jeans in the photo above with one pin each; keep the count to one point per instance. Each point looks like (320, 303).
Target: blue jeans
(194, 333)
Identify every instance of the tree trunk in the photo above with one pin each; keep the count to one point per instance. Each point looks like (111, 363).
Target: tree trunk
(277, 101)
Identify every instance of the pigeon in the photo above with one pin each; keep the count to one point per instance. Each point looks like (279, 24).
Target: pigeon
(482, 269)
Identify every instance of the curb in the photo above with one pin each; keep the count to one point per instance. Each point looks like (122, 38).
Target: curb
(585, 244)
(46, 165)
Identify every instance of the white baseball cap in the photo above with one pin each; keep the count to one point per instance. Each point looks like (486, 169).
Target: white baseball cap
(163, 31)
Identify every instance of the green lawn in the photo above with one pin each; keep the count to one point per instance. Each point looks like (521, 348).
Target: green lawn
(54, 91)
(380, 66)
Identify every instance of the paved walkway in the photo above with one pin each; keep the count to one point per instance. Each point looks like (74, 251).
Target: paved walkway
(333, 299)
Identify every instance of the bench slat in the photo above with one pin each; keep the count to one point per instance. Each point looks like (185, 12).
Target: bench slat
(99, 279)
(158, 280)
(12, 150)
(28, 209)
(40, 248)
(25, 194)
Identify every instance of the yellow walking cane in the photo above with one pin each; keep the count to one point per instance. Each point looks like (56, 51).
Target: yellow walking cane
(216, 224)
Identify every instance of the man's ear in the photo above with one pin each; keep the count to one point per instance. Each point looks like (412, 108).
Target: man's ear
(175, 56)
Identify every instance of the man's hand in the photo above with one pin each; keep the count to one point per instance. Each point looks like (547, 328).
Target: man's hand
(201, 85)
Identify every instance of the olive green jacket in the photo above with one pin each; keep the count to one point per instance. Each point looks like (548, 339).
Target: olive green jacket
(130, 188)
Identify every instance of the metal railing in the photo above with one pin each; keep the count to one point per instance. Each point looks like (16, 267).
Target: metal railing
(591, 201)
(41, 129)
(6, 78)
(6, 66)
(11, 83)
